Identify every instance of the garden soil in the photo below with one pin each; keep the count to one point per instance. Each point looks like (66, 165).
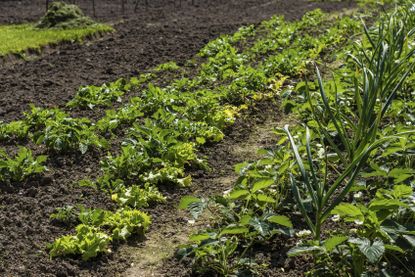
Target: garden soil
(143, 39)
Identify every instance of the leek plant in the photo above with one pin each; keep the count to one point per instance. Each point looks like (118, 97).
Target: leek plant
(383, 61)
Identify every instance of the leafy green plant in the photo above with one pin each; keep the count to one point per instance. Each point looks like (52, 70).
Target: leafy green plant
(20, 167)
(105, 95)
(66, 134)
(67, 214)
(97, 230)
(37, 117)
(14, 129)
(137, 197)
(169, 66)
(380, 236)
(88, 242)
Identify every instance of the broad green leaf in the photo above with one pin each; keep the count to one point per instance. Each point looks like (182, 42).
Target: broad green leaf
(373, 252)
(240, 167)
(386, 204)
(401, 174)
(332, 242)
(281, 220)
(265, 198)
(234, 230)
(395, 248)
(187, 200)
(299, 250)
(262, 184)
(348, 212)
(199, 237)
(402, 191)
(238, 194)
(260, 226)
(245, 219)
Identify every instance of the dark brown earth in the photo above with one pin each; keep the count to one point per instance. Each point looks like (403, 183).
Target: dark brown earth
(153, 35)
(143, 39)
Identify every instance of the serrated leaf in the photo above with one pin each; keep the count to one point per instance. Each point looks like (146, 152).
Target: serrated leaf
(299, 250)
(333, 242)
(238, 194)
(234, 230)
(348, 212)
(83, 148)
(262, 184)
(187, 200)
(260, 226)
(401, 174)
(199, 237)
(265, 198)
(402, 191)
(281, 220)
(386, 204)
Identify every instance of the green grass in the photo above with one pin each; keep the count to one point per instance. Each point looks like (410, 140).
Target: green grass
(15, 39)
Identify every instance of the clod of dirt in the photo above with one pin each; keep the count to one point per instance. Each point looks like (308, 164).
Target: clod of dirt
(64, 16)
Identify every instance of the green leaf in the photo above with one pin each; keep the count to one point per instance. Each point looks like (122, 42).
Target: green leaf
(333, 242)
(238, 194)
(410, 240)
(300, 250)
(402, 191)
(245, 219)
(262, 184)
(373, 252)
(386, 204)
(348, 212)
(260, 226)
(83, 148)
(234, 230)
(186, 201)
(265, 198)
(281, 220)
(200, 237)
(401, 174)
(395, 248)
(200, 140)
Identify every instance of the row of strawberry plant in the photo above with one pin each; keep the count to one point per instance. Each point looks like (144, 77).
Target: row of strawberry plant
(347, 130)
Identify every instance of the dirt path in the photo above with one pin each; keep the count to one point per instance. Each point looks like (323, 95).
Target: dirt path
(154, 256)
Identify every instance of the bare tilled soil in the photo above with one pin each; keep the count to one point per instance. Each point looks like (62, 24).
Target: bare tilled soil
(153, 35)
(144, 39)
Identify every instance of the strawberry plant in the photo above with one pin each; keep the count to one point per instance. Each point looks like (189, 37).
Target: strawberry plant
(66, 214)
(105, 95)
